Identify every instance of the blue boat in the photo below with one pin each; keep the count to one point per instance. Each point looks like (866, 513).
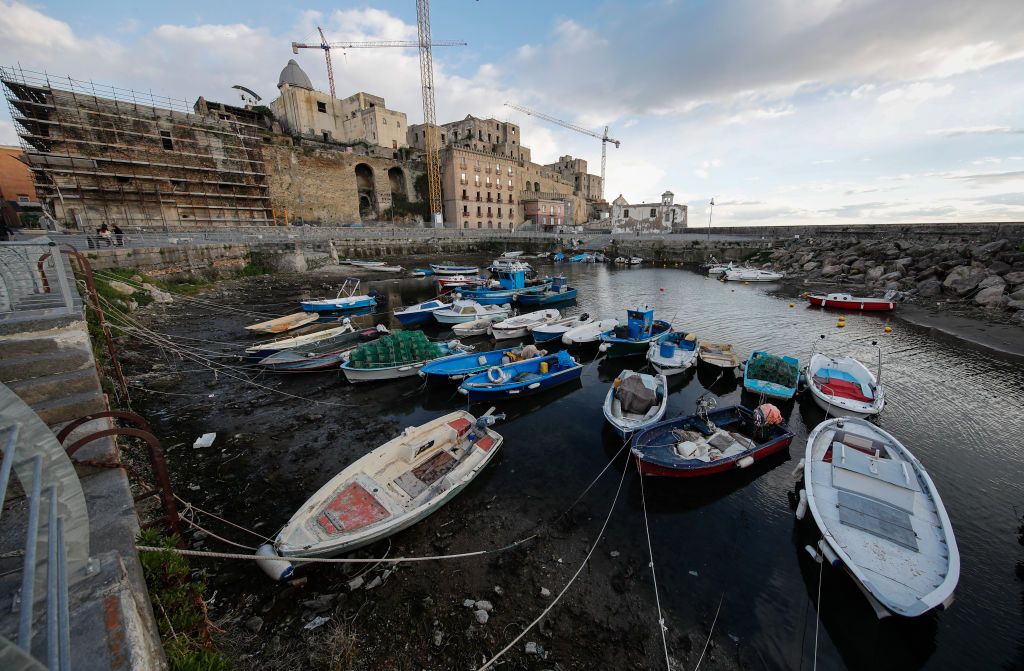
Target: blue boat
(640, 330)
(558, 257)
(422, 272)
(346, 300)
(420, 313)
(521, 378)
(558, 292)
(773, 376)
(582, 258)
(460, 366)
(512, 283)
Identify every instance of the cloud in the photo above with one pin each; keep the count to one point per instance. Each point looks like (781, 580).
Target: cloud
(993, 177)
(917, 92)
(704, 170)
(760, 114)
(975, 130)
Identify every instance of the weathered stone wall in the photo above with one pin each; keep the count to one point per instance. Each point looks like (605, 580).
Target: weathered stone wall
(174, 262)
(321, 186)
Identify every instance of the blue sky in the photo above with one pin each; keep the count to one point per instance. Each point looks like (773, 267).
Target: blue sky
(793, 111)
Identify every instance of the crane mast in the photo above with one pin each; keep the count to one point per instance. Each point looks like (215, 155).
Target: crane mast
(430, 135)
(579, 129)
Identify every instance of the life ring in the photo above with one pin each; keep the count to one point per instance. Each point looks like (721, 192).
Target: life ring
(496, 375)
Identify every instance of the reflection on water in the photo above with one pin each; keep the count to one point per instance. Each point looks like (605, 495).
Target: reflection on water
(733, 537)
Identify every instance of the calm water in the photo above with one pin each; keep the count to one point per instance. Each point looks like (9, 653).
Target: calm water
(957, 408)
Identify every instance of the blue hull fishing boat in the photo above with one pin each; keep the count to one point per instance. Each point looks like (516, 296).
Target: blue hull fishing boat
(421, 313)
(521, 378)
(422, 272)
(346, 300)
(773, 376)
(323, 355)
(511, 283)
(558, 292)
(640, 330)
(461, 366)
(558, 257)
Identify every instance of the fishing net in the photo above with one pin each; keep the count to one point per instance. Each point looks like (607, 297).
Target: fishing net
(397, 348)
(774, 369)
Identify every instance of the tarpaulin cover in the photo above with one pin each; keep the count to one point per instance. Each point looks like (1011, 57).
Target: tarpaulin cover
(635, 396)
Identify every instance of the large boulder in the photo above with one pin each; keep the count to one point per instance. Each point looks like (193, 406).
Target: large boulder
(831, 271)
(999, 267)
(982, 252)
(1014, 278)
(927, 273)
(992, 297)
(962, 280)
(1017, 295)
(876, 273)
(929, 288)
(991, 281)
(121, 288)
(1015, 305)
(809, 266)
(894, 276)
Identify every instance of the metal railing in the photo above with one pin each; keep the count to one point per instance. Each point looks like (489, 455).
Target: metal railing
(35, 281)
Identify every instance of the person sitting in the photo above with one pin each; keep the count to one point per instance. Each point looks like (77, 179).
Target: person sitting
(531, 352)
(104, 234)
(118, 236)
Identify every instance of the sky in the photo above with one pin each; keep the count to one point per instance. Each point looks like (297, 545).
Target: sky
(785, 112)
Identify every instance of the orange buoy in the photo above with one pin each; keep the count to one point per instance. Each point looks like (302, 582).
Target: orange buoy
(888, 329)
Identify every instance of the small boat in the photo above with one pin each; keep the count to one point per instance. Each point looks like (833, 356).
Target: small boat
(711, 441)
(462, 310)
(848, 302)
(420, 313)
(512, 255)
(558, 292)
(589, 333)
(718, 269)
(455, 281)
(422, 272)
(366, 264)
(582, 258)
(635, 401)
(599, 258)
(881, 517)
(389, 489)
(721, 355)
(521, 378)
(674, 354)
(460, 366)
(265, 349)
(640, 330)
(323, 355)
(553, 331)
(844, 386)
(509, 284)
(558, 257)
(396, 356)
(509, 264)
(518, 327)
(477, 327)
(635, 260)
(751, 275)
(621, 260)
(347, 299)
(388, 269)
(283, 324)
(452, 269)
(774, 376)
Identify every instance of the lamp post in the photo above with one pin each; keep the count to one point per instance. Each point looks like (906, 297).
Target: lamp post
(711, 210)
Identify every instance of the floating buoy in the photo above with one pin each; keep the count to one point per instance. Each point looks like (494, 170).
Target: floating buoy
(746, 284)
(661, 288)
(888, 329)
(745, 461)
(791, 305)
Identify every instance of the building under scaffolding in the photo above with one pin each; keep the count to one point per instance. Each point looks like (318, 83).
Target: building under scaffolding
(104, 155)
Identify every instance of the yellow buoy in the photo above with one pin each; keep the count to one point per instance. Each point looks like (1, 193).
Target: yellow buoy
(791, 305)
(841, 325)
(746, 284)
(888, 329)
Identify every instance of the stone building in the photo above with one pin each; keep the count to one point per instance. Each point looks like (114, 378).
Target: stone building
(485, 135)
(19, 205)
(101, 155)
(546, 214)
(574, 171)
(480, 189)
(648, 218)
(361, 117)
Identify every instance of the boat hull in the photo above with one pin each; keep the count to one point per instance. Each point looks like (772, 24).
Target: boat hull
(337, 305)
(547, 298)
(860, 304)
(414, 318)
(475, 395)
(356, 375)
(647, 468)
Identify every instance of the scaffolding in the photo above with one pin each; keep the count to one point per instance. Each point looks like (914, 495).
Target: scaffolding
(106, 155)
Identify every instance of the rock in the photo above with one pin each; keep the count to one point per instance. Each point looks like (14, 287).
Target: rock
(926, 273)
(991, 297)
(963, 279)
(534, 648)
(468, 603)
(831, 270)
(254, 624)
(499, 590)
(1017, 295)
(484, 605)
(894, 276)
(905, 261)
(1015, 305)
(875, 273)
(929, 288)
(892, 286)
(999, 267)
(321, 604)
(376, 582)
(809, 266)
(545, 592)
(121, 288)
(355, 583)
(613, 554)
(158, 295)
(982, 252)
(137, 279)
(481, 616)
(1019, 317)
(438, 637)
(991, 281)
(1014, 278)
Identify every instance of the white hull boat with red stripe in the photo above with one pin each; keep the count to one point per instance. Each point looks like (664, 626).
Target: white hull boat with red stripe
(843, 386)
(848, 302)
(393, 487)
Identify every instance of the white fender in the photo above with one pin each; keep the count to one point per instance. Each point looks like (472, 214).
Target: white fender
(799, 468)
(745, 461)
(801, 508)
(828, 553)
(272, 564)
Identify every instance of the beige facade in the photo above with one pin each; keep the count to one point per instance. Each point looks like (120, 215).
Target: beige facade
(486, 135)
(361, 117)
(648, 218)
(480, 189)
(574, 171)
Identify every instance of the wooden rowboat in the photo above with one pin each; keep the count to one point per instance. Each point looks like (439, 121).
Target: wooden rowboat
(283, 324)
(717, 354)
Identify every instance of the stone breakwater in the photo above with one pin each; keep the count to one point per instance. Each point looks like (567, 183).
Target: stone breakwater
(984, 279)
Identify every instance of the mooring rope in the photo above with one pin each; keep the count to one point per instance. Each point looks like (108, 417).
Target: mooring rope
(654, 576)
(710, 631)
(583, 564)
(817, 615)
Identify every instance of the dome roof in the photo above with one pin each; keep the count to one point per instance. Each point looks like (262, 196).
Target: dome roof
(292, 75)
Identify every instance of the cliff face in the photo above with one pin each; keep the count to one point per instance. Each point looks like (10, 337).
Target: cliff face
(962, 275)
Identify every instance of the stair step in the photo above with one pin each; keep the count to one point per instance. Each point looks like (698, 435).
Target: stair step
(44, 388)
(16, 347)
(40, 365)
(67, 408)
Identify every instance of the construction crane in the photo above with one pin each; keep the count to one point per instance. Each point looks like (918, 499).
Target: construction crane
(430, 136)
(327, 46)
(579, 129)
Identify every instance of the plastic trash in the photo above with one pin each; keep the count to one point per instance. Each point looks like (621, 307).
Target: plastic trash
(317, 622)
(204, 440)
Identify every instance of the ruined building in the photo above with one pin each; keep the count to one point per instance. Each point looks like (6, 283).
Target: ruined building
(648, 218)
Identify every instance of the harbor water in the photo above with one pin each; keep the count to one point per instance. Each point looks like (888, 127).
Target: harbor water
(726, 544)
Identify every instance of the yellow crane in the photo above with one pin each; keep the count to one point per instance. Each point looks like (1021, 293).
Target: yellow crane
(579, 129)
(327, 46)
(431, 136)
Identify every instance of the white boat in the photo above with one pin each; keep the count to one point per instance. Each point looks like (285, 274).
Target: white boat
(366, 264)
(553, 331)
(388, 269)
(268, 348)
(719, 268)
(673, 355)
(282, 324)
(752, 275)
(635, 401)
(452, 269)
(880, 516)
(512, 255)
(477, 327)
(509, 265)
(396, 371)
(621, 260)
(518, 327)
(347, 299)
(589, 333)
(393, 487)
(466, 311)
(844, 386)
(635, 260)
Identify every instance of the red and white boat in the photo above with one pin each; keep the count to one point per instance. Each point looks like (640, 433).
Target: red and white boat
(848, 302)
(454, 281)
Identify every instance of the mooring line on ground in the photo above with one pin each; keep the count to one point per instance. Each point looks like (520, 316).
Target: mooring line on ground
(817, 614)
(654, 576)
(583, 564)
(710, 632)
(594, 481)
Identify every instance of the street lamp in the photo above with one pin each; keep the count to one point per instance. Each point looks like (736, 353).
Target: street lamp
(711, 210)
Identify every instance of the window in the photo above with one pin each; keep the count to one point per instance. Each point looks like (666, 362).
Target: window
(442, 138)
(543, 220)
(654, 213)
(476, 179)
(22, 198)
(479, 224)
(462, 162)
(462, 178)
(489, 213)
(479, 134)
(476, 164)
(488, 182)
(490, 224)
(123, 179)
(625, 214)
(165, 138)
(321, 107)
(497, 168)
(499, 213)
(544, 208)
(478, 212)
(394, 144)
(488, 137)
(385, 121)
(464, 195)
(499, 223)
(510, 171)
(398, 124)
(465, 209)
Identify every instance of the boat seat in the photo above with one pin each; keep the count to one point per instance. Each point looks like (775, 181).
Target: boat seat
(524, 377)
(351, 508)
(843, 388)
(414, 481)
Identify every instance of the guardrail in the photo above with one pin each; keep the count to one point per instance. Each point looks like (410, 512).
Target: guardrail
(35, 281)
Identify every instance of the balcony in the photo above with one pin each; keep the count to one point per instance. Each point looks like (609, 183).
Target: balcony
(489, 199)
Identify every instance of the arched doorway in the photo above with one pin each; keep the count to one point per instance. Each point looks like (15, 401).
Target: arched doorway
(536, 187)
(396, 180)
(365, 189)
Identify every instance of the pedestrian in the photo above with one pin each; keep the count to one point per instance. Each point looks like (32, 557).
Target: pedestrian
(104, 234)
(118, 236)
